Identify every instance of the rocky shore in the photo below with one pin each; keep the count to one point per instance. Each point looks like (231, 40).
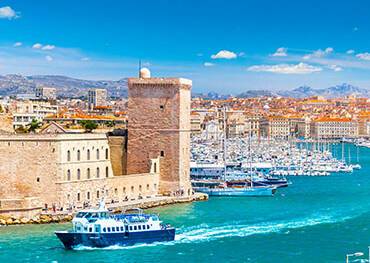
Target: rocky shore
(62, 218)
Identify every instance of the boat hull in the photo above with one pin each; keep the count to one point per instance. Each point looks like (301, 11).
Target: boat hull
(254, 192)
(71, 240)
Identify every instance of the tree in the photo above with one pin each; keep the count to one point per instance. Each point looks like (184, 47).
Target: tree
(34, 125)
(89, 125)
(111, 124)
(21, 129)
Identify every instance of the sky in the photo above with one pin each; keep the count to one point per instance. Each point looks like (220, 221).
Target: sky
(223, 46)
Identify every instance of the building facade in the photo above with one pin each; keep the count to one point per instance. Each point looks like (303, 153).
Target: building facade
(327, 127)
(97, 97)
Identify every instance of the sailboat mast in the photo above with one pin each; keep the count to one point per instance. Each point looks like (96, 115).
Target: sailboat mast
(224, 142)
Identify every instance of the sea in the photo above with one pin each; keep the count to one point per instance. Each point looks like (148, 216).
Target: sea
(316, 219)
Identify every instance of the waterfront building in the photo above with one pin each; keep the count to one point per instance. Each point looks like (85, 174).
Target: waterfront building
(334, 127)
(195, 123)
(275, 127)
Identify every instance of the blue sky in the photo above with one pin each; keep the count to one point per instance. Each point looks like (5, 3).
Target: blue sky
(224, 46)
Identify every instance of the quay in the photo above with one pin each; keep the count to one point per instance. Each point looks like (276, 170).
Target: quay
(65, 216)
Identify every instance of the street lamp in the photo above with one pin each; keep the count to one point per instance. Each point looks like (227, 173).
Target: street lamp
(357, 254)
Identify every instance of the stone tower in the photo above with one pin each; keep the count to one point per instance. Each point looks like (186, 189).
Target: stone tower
(159, 125)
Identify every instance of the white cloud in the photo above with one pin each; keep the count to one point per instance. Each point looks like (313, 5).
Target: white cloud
(336, 68)
(7, 12)
(319, 53)
(17, 44)
(329, 50)
(300, 68)
(37, 46)
(224, 54)
(350, 52)
(241, 54)
(85, 59)
(280, 52)
(49, 58)
(48, 47)
(208, 64)
(363, 56)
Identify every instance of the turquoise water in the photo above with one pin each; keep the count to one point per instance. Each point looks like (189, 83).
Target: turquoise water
(317, 219)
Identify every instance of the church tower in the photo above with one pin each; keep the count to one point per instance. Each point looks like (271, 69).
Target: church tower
(159, 126)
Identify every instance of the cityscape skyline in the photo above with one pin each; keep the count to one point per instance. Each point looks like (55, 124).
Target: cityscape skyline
(220, 45)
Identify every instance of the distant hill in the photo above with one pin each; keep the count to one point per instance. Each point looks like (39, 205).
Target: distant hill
(66, 86)
(71, 87)
(331, 92)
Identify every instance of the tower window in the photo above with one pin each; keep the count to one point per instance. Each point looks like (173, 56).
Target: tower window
(161, 107)
(162, 153)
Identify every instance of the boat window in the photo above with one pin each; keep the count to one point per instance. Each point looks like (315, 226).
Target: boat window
(104, 229)
(113, 229)
(130, 227)
(126, 227)
(117, 228)
(121, 228)
(90, 229)
(139, 227)
(108, 229)
(135, 227)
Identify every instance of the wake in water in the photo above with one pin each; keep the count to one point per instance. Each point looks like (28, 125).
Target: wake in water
(204, 232)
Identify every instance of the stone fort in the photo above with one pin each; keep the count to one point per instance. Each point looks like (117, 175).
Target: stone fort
(55, 169)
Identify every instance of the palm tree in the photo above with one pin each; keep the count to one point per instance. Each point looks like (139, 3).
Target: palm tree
(34, 125)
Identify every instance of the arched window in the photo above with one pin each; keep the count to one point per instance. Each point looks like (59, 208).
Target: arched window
(97, 194)
(147, 187)
(68, 175)
(68, 156)
(78, 174)
(97, 172)
(88, 195)
(78, 196)
(106, 171)
(155, 167)
(78, 155)
(106, 154)
(97, 154)
(88, 173)
(88, 155)
(140, 188)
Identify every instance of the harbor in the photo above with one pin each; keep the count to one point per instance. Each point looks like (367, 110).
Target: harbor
(331, 212)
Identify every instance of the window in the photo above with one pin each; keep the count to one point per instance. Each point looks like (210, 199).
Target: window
(132, 189)
(68, 175)
(124, 190)
(88, 195)
(139, 227)
(97, 154)
(155, 167)
(117, 228)
(97, 194)
(90, 229)
(78, 174)
(161, 107)
(135, 227)
(140, 188)
(108, 229)
(68, 156)
(78, 155)
(115, 191)
(113, 229)
(130, 227)
(78, 196)
(88, 155)
(38, 179)
(162, 153)
(88, 173)
(106, 171)
(97, 172)
(121, 228)
(126, 228)
(104, 229)
(106, 154)
(147, 187)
